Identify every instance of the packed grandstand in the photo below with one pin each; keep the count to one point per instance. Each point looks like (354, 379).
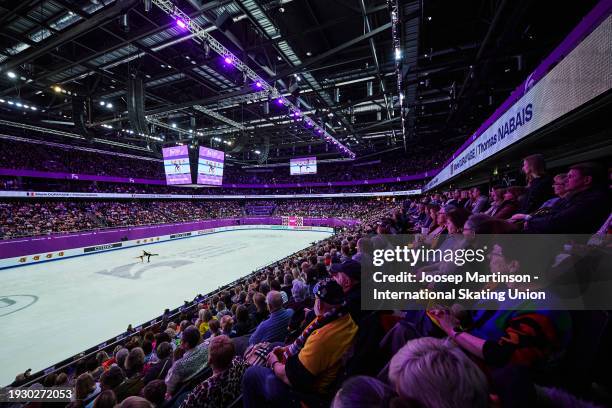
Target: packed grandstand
(295, 332)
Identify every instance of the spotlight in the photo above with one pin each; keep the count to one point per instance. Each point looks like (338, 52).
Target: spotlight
(398, 54)
(181, 23)
(174, 125)
(109, 105)
(280, 101)
(258, 84)
(57, 89)
(102, 103)
(19, 105)
(228, 60)
(11, 75)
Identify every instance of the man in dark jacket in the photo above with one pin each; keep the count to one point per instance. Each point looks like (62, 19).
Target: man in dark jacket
(583, 210)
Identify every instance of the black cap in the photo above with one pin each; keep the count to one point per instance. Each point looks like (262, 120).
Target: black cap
(350, 267)
(329, 291)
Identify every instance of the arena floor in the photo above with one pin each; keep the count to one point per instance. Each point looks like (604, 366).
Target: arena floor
(54, 310)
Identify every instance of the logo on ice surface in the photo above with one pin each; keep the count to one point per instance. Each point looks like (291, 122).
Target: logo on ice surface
(10, 304)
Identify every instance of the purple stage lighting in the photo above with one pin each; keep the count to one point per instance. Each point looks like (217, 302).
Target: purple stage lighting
(228, 60)
(279, 101)
(258, 84)
(180, 23)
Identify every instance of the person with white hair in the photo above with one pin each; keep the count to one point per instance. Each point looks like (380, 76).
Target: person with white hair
(274, 328)
(437, 374)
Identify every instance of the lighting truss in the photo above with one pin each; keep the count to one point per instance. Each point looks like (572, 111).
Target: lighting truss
(397, 47)
(217, 116)
(198, 31)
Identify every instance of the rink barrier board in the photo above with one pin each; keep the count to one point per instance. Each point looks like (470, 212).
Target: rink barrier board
(113, 246)
(11, 248)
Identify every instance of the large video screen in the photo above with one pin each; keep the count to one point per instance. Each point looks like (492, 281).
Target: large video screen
(176, 165)
(210, 166)
(303, 165)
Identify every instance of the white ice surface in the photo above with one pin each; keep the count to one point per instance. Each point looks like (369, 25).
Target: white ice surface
(85, 300)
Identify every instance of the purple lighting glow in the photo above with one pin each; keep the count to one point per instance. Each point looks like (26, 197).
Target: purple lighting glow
(228, 60)
(279, 101)
(258, 84)
(180, 23)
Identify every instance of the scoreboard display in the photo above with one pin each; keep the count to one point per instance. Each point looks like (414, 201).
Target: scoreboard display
(210, 167)
(304, 165)
(176, 165)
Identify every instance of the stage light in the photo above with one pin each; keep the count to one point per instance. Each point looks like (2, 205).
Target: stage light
(257, 152)
(174, 125)
(26, 106)
(19, 105)
(11, 75)
(180, 23)
(102, 103)
(11, 103)
(280, 101)
(228, 60)
(258, 84)
(2, 101)
(398, 54)
(57, 89)
(109, 105)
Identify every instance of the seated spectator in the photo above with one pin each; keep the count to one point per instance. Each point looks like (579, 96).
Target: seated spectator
(134, 383)
(243, 321)
(364, 250)
(159, 368)
(310, 364)
(560, 192)
(85, 389)
(510, 204)
(363, 392)
(222, 310)
(585, 208)
(479, 202)
(275, 285)
(106, 399)
(155, 392)
(287, 284)
(496, 198)
(194, 359)
(224, 386)
(348, 276)
(135, 402)
(261, 309)
(300, 301)
(518, 333)
(435, 373)
(539, 184)
(274, 328)
(204, 317)
(227, 323)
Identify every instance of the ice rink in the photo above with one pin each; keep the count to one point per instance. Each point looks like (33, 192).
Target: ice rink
(51, 311)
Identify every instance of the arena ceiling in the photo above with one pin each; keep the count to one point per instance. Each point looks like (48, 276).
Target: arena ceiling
(459, 61)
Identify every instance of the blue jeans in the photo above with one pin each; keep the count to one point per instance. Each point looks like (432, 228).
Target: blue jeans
(262, 388)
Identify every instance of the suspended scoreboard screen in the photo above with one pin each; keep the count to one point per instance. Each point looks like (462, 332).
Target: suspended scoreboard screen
(176, 165)
(303, 165)
(210, 166)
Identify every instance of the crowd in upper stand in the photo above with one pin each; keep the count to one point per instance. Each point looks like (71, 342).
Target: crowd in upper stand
(34, 156)
(39, 184)
(294, 334)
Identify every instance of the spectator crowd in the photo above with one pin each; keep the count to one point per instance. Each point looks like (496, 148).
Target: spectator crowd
(294, 333)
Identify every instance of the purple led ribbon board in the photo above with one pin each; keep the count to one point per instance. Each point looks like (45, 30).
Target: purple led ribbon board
(210, 167)
(303, 165)
(176, 165)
